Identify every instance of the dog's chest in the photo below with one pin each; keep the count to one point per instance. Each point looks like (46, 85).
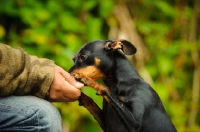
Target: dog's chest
(112, 121)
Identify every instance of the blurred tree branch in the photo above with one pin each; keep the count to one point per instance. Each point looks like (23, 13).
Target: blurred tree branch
(127, 30)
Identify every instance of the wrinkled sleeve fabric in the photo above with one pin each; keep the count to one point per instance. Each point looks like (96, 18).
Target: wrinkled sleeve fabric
(23, 74)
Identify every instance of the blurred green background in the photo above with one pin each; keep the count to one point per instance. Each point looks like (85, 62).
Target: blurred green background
(165, 32)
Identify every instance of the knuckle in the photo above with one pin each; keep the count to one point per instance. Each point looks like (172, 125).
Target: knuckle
(77, 95)
(71, 79)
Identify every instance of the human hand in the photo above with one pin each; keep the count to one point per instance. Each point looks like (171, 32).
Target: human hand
(64, 87)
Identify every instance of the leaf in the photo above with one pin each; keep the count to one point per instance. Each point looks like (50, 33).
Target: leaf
(166, 8)
(2, 31)
(164, 65)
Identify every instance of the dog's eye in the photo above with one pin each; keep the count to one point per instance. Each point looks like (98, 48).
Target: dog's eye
(83, 57)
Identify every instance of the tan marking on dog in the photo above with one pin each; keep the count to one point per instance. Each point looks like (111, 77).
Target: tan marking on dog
(97, 61)
(90, 71)
(121, 98)
(116, 45)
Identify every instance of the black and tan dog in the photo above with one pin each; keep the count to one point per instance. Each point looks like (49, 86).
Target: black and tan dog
(130, 104)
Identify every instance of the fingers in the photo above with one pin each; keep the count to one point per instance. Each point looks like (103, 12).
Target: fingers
(71, 80)
(64, 87)
(70, 92)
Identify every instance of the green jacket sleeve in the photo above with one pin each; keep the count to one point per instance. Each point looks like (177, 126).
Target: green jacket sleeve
(23, 74)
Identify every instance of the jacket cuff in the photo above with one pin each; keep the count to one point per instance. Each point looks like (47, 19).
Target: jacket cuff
(42, 74)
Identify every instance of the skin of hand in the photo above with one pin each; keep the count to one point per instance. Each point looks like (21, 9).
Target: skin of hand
(64, 87)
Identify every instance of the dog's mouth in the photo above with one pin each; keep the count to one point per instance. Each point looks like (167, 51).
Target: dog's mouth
(89, 71)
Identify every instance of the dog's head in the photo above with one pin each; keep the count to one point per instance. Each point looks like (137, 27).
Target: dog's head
(96, 59)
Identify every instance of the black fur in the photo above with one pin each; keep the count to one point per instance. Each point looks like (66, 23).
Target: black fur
(133, 105)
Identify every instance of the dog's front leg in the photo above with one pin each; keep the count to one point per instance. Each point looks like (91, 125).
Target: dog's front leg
(93, 108)
(127, 117)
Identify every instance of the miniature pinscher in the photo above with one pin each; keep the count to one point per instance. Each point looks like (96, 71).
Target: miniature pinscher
(130, 104)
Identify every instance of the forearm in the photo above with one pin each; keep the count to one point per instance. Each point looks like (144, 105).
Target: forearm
(22, 74)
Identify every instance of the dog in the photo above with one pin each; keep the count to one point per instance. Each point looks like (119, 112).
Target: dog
(129, 103)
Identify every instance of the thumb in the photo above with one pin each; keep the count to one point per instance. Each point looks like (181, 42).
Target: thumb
(71, 80)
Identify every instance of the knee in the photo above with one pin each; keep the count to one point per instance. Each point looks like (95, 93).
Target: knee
(47, 117)
(29, 113)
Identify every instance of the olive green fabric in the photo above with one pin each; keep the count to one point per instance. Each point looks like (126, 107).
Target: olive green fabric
(23, 74)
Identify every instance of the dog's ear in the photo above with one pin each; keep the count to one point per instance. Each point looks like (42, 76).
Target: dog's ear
(127, 47)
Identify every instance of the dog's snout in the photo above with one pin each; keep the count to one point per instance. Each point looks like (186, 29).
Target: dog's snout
(71, 69)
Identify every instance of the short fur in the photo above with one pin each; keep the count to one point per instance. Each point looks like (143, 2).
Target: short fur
(130, 104)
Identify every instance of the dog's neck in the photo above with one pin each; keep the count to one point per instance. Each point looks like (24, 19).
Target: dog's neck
(124, 66)
(122, 73)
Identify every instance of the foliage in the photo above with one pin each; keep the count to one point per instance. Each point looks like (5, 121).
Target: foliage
(168, 29)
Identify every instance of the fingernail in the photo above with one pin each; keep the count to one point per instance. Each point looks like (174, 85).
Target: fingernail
(78, 84)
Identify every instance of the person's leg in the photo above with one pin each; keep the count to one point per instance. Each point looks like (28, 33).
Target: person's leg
(28, 113)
